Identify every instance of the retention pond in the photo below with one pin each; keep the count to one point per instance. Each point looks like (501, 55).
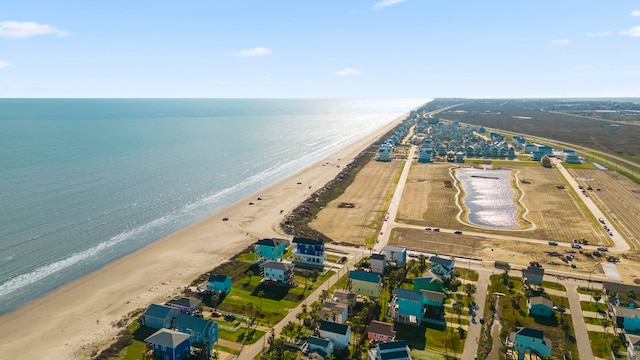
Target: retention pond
(489, 197)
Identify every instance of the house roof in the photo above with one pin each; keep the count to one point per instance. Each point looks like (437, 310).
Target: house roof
(272, 242)
(379, 327)
(400, 354)
(392, 345)
(167, 338)
(276, 265)
(426, 280)
(442, 261)
(535, 270)
(633, 339)
(539, 300)
(343, 295)
(318, 341)
(529, 332)
(333, 327)
(396, 249)
(620, 288)
(187, 302)
(433, 295)
(218, 278)
(626, 312)
(160, 311)
(299, 240)
(377, 257)
(413, 295)
(192, 322)
(364, 276)
(331, 306)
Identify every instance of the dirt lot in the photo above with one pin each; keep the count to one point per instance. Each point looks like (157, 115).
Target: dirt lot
(370, 194)
(619, 197)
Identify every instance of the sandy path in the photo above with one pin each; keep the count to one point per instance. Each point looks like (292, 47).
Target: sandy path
(71, 321)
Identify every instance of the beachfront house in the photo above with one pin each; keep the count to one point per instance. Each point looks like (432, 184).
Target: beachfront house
(219, 284)
(526, 340)
(277, 271)
(365, 283)
(334, 311)
(384, 152)
(442, 267)
(378, 263)
(533, 275)
(428, 281)
(186, 305)
(270, 249)
(540, 306)
(167, 344)
(381, 331)
(407, 306)
(321, 346)
(202, 333)
(308, 253)
(396, 350)
(159, 316)
(337, 333)
(395, 255)
(627, 318)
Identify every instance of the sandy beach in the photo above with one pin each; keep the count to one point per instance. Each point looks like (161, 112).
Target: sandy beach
(74, 320)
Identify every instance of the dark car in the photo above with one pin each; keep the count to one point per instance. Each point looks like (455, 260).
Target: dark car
(553, 243)
(458, 232)
(436, 229)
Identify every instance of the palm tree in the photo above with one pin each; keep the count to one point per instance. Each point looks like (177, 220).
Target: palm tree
(469, 289)
(596, 297)
(457, 307)
(260, 295)
(250, 275)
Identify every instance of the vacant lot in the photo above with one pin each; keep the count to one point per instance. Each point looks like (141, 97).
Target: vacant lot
(356, 216)
(618, 197)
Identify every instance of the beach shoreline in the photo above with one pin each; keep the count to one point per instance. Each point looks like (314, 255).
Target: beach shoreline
(77, 319)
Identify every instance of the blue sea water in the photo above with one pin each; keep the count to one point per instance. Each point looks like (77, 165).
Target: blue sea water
(86, 181)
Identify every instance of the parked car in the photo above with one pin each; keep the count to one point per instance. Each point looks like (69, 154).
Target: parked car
(603, 249)
(428, 229)
(458, 232)
(553, 243)
(576, 246)
(436, 229)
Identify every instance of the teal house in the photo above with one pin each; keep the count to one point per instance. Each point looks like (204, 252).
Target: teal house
(270, 249)
(219, 284)
(407, 306)
(526, 340)
(167, 345)
(627, 318)
(202, 333)
(428, 281)
(540, 306)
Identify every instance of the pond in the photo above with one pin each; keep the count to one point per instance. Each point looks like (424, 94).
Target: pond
(489, 197)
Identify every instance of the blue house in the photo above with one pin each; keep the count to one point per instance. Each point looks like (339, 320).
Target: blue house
(308, 252)
(365, 283)
(159, 316)
(201, 332)
(270, 249)
(167, 345)
(442, 267)
(425, 155)
(407, 306)
(533, 275)
(627, 318)
(540, 306)
(527, 340)
(395, 255)
(219, 284)
(277, 271)
(384, 152)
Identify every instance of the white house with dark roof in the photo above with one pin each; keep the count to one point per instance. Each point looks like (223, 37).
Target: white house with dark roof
(378, 263)
(277, 271)
(185, 305)
(533, 275)
(321, 346)
(442, 267)
(339, 334)
(396, 350)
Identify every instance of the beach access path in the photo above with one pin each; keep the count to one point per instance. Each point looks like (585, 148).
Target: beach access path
(78, 319)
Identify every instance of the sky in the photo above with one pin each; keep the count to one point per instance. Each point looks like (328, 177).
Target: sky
(319, 48)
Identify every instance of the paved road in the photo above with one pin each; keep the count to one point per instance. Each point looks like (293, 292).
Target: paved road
(579, 327)
(620, 243)
(471, 343)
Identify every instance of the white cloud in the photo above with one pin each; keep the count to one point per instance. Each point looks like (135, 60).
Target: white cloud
(17, 29)
(598, 34)
(384, 3)
(4, 64)
(257, 51)
(560, 42)
(635, 13)
(347, 72)
(634, 31)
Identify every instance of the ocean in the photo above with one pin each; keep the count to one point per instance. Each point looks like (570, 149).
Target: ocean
(84, 182)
